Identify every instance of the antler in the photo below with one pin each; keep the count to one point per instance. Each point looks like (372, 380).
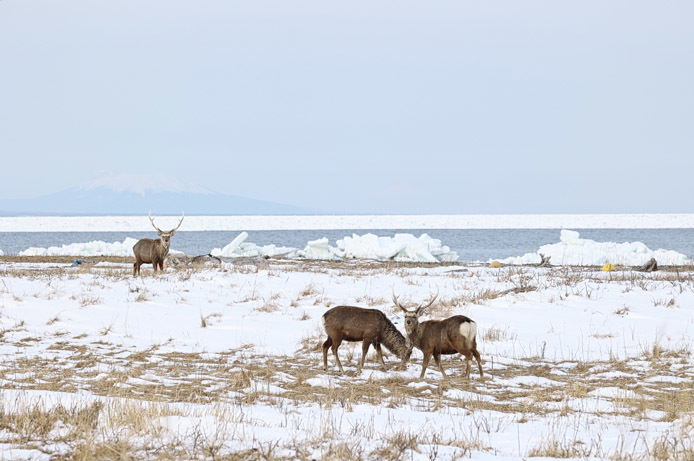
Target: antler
(152, 220)
(179, 222)
(396, 302)
(172, 230)
(431, 301)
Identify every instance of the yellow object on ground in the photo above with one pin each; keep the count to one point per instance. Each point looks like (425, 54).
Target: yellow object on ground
(607, 267)
(495, 264)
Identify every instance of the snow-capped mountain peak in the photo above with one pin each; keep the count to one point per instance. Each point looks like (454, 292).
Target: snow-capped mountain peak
(143, 184)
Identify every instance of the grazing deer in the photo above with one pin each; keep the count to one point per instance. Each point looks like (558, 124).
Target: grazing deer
(370, 326)
(453, 335)
(154, 251)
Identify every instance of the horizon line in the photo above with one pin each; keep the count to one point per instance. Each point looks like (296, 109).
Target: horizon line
(131, 223)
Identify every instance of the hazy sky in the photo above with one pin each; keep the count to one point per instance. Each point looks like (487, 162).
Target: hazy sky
(360, 106)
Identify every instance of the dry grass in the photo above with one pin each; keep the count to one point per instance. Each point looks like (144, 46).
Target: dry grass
(239, 378)
(143, 296)
(495, 333)
(89, 300)
(205, 320)
(270, 305)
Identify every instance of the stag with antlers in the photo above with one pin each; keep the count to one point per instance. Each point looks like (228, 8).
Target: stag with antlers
(453, 335)
(154, 251)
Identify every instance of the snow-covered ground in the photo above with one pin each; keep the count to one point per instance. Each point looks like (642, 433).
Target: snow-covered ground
(199, 363)
(352, 222)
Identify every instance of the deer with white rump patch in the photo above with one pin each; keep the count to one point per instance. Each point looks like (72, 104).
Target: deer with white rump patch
(370, 326)
(154, 251)
(453, 335)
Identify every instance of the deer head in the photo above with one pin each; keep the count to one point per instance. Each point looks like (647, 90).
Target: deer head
(166, 236)
(412, 317)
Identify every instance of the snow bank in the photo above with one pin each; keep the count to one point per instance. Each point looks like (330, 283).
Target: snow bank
(401, 247)
(573, 250)
(93, 248)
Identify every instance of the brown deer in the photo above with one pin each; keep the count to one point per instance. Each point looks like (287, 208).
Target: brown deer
(154, 251)
(370, 326)
(453, 335)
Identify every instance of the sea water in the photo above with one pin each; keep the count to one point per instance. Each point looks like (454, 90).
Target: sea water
(470, 244)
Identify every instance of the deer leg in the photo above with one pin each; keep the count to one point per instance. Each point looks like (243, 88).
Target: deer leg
(336, 344)
(437, 359)
(328, 342)
(377, 346)
(468, 364)
(425, 363)
(479, 361)
(364, 349)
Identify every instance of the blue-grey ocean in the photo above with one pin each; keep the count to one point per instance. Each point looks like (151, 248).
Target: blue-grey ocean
(470, 244)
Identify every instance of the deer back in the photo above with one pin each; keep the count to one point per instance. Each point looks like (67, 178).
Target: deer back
(352, 323)
(445, 335)
(149, 250)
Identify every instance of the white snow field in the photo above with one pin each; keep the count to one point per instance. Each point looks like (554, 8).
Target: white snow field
(351, 222)
(212, 363)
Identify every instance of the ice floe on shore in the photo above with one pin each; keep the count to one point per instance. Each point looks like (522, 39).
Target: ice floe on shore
(93, 248)
(573, 250)
(401, 247)
(238, 247)
(570, 250)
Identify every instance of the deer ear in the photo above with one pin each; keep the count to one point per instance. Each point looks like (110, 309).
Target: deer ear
(160, 233)
(172, 232)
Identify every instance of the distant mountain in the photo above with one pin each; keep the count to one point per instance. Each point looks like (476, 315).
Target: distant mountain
(137, 194)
